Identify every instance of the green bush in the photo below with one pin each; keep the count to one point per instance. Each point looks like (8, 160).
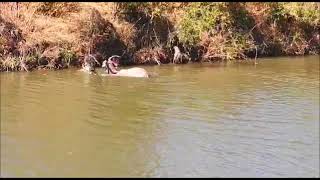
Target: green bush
(225, 46)
(68, 57)
(32, 58)
(9, 63)
(200, 18)
(292, 28)
(152, 9)
(240, 17)
(305, 12)
(222, 30)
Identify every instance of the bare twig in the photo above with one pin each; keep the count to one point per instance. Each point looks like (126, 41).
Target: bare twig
(255, 58)
(94, 59)
(158, 62)
(157, 40)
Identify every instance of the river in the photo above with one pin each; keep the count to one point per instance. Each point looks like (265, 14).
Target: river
(194, 120)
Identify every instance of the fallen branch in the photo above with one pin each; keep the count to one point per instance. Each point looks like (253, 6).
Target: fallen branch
(23, 64)
(158, 62)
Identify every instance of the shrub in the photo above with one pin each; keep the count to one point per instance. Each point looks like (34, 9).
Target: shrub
(57, 9)
(152, 9)
(302, 18)
(156, 55)
(305, 12)
(200, 18)
(68, 57)
(149, 21)
(221, 30)
(9, 63)
(98, 35)
(225, 46)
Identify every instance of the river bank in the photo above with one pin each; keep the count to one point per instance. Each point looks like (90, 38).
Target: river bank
(59, 35)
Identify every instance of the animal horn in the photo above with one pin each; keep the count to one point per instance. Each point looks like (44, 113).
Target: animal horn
(95, 59)
(113, 56)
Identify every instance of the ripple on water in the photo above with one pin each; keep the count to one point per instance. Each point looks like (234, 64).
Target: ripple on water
(210, 122)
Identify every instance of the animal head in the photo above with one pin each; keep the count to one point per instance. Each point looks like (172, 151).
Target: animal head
(89, 63)
(88, 67)
(104, 64)
(114, 60)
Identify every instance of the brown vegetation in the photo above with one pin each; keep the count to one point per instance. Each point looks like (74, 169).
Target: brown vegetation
(58, 35)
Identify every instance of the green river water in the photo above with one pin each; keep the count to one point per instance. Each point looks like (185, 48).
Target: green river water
(194, 120)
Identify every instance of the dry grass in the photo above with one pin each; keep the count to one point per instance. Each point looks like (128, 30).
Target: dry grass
(275, 38)
(68, 27)
(156, 55)
(107, 10)
(37, 28)
(224, 46)
(64, 28)
(9, 64)
(127, 32)
(57, 9)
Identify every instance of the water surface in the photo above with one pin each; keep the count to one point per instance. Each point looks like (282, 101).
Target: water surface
(191, 120)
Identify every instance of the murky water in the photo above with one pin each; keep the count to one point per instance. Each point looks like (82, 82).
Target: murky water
(189, 121)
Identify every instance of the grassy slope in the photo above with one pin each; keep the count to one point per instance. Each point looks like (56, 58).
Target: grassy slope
(64, 32)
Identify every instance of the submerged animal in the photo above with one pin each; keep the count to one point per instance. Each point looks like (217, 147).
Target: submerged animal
(89, 64)
(111, 67)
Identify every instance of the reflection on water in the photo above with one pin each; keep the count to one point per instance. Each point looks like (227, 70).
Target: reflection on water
(189, 121)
